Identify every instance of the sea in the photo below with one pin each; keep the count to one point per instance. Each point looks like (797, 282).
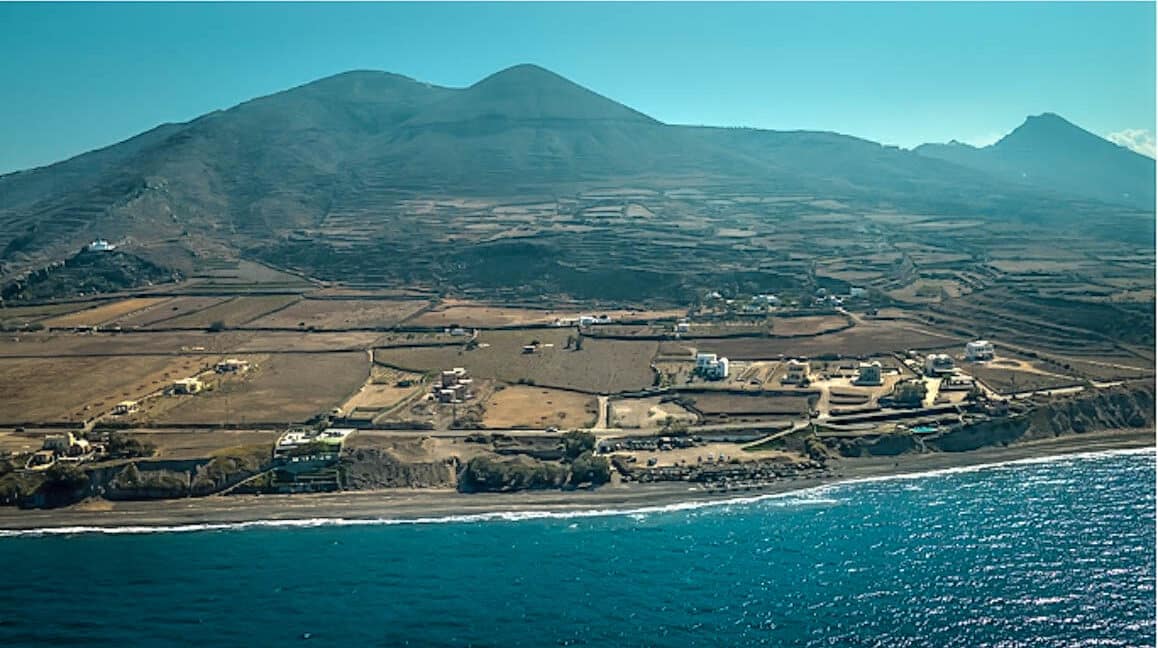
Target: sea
(1052, 552)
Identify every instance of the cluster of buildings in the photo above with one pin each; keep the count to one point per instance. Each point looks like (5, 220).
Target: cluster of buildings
(712, 367)
(293, 441)
(583, 320)
(101, 245)
(453, 386)
(62, 447)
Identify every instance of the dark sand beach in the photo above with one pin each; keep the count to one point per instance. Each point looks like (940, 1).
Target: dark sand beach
(415, 504)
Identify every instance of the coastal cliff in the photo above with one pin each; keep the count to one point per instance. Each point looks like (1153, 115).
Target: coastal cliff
(1122, 407)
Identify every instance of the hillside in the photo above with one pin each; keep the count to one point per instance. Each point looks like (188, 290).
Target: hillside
(1053, 154)
(378, 178)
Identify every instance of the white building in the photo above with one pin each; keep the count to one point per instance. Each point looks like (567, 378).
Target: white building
(589, 320)
(101, 245)
(187, 386)
(125, 407)
(979, 351)
(938, 363)
(869, 373)
(854, 291)
(717, 370)
(798, 372)
(712, 367)
(232, 365)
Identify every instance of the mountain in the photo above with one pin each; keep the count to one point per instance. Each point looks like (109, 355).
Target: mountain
(1051, 153)
(366, 158)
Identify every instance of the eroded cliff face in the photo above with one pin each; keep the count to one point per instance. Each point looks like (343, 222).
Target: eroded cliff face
(885, 445)
(1127, 406)
(980, 435)
(370, 468)
(1124, 407)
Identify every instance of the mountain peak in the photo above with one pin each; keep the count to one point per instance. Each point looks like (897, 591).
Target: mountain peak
(1046, 132)
(528, 92)
(523, 73)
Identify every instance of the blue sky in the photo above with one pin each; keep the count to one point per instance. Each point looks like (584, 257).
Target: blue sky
(80, 76)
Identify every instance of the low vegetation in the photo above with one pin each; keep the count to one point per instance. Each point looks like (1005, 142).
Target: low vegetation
(228, 467)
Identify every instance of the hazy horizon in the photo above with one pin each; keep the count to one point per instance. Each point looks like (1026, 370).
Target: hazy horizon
(93, 75)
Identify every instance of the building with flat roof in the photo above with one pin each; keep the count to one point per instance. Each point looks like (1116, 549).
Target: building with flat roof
(101, 245)
(187, 386)
(231, 365)
(125, 407)
(711, 366)
(937, 364)
(979, 351)
(869, 373)
(798, 371)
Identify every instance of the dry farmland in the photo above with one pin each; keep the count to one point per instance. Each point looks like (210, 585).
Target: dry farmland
(233, 312)
(281, 388)
(103, 313)
(808, 325)
(1007, 381)
(114, 344)
(24, 314)
(340, 313)
(160, 314)
(868, 338)
(522, 406)
(646, 413)
(739, 404)
(382, 390)
(201, 443)
(603, 366)
(75, 389)
(476, 315)
(256, 342)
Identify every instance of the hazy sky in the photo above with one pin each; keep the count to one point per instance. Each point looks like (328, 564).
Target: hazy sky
(77, 77)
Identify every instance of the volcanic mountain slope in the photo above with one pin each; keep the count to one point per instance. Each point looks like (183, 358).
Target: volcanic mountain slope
(354, 148)
(1051, 153)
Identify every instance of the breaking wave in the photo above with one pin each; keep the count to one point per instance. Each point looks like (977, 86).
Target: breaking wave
(820, 495)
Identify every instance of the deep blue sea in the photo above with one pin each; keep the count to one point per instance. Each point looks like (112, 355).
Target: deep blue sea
(1056, 553)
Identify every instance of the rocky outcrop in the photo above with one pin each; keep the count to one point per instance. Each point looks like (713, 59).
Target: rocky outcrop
(884, 445)
(1000, 431)
(1123, 407)
(1127, 406)
(372, 468)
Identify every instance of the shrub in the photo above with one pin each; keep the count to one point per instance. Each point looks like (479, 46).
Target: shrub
(122, 446)
(576, 442)
(484, 474)
(17, 486)
(64, 479)
(590, 469)
(217, 326)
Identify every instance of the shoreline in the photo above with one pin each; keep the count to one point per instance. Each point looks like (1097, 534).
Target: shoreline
(433, 505)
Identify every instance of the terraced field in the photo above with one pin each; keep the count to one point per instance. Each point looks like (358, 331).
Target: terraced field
(340, 314)
(105, 313)
(233, 312)
(601, 366)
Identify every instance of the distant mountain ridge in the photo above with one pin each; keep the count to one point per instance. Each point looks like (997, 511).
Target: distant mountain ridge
(1049, 152)
(351, 146)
